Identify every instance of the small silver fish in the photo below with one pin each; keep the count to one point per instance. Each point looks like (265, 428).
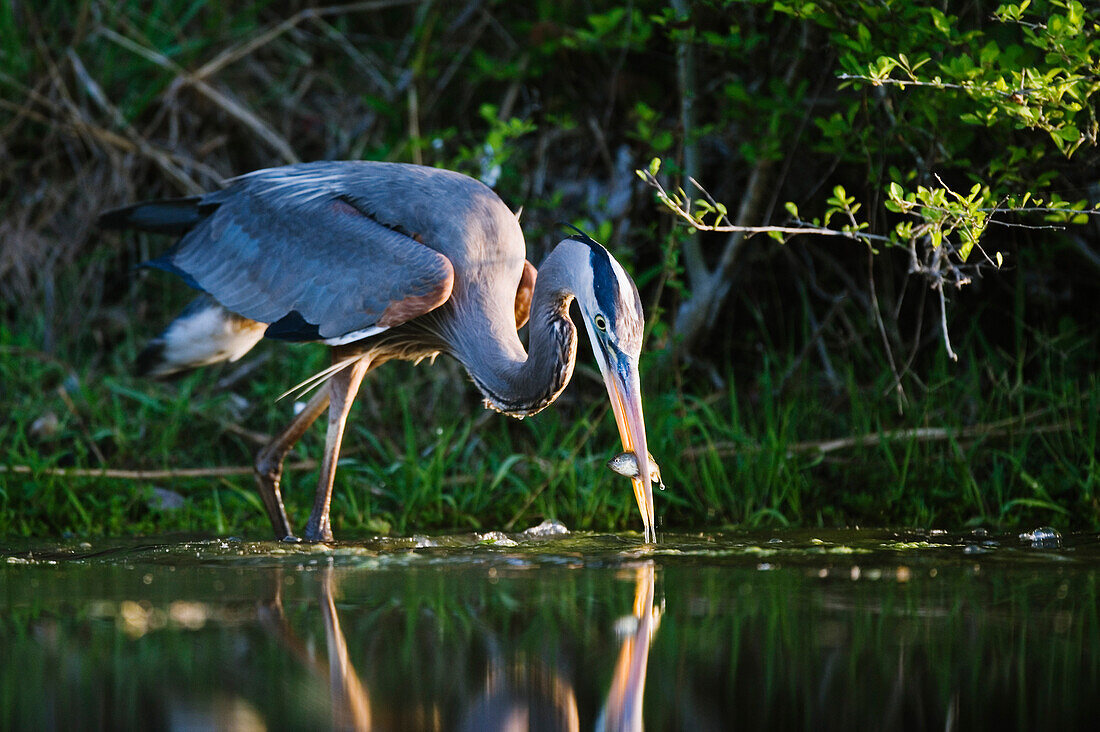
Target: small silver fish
(626, 464)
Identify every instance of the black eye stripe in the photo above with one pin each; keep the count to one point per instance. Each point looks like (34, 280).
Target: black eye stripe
(605, 282)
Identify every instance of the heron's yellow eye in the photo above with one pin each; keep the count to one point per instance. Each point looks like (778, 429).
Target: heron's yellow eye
(601, 322)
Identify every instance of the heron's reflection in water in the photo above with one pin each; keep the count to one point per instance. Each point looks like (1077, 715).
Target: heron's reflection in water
(350, 700)
(623, 710)
(517, 692)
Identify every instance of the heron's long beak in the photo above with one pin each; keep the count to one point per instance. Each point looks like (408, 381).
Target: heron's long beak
(624, 389)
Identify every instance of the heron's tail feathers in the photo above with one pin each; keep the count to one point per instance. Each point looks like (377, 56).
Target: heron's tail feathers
(166, 216)
(204, 333)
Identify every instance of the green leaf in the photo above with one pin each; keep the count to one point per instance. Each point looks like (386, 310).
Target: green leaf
(940, 21)
(1069, 133)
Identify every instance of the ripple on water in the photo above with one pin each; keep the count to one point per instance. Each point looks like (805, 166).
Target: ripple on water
(1043, 537)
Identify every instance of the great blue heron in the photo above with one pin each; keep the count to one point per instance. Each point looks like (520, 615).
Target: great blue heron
(389, 261)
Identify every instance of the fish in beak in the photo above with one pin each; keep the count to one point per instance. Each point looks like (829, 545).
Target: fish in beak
(626, 465)
(620, 375)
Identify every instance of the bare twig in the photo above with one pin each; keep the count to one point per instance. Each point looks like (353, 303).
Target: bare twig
(943, 324)
(168, 474)
(163, 160)
(681, 209)
(72, 119)
(253, 436)
(877, 311)
(230, 106)
(919, 434)
(367, 64)
(873, 81)
(1038, 209)
(236, 53)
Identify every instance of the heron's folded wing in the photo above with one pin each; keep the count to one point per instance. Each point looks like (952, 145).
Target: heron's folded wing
(309, 262)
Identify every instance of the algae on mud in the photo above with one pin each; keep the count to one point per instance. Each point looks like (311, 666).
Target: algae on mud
(844, 629)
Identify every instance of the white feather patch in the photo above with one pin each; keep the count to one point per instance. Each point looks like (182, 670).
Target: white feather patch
(210, 335)
(355, 335)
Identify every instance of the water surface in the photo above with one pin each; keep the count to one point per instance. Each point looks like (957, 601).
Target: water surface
(805, 630)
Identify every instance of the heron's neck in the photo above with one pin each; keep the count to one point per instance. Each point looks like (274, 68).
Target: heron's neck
(521, 387)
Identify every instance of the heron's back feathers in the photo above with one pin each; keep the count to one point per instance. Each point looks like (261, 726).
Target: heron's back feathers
(321, 251)
(338, 252)
(204, 333)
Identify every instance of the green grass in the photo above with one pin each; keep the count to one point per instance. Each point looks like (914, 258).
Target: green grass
(417, 459)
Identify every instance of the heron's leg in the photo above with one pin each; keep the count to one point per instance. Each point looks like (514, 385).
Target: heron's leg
(269, 462)
(342, 387)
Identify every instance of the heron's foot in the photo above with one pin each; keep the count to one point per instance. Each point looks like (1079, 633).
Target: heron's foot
(321, 537)
(318, 531)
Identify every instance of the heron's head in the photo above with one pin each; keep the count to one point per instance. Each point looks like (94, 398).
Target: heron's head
(612, 312)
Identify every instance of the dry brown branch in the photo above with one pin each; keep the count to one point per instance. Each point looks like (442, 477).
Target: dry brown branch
(168, 474)
(369, 65)
(229, 105)
(253, 436)
(180, 473)
(919, 434)
(72, 119)
(231, 55)
(163, 160)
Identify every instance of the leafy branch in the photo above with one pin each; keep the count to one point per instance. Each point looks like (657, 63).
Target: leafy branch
(696, 212)
(942, 230)
(1055, 93)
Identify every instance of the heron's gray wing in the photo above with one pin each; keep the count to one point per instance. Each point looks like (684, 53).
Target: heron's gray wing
(308, 261)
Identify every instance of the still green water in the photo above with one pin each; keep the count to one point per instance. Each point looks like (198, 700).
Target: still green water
(802, 630)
